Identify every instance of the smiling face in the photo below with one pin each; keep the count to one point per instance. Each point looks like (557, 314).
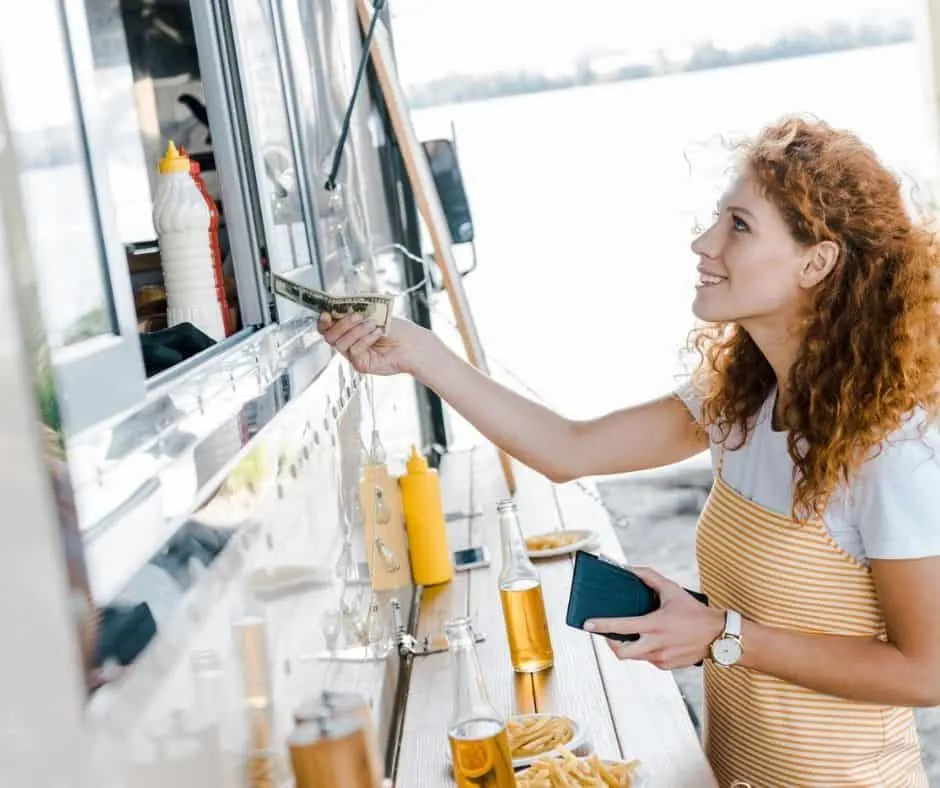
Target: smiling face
(751, 270)
(860, 276)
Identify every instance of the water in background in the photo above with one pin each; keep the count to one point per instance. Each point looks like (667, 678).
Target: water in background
(584, 202)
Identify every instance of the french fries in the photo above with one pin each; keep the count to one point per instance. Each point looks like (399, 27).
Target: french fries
(530, 736)
(551, 541)
(569, 772)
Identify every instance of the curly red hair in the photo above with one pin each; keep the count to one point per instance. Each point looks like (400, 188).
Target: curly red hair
(869, 353)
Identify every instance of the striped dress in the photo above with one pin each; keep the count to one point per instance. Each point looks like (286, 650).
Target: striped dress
(764, 732)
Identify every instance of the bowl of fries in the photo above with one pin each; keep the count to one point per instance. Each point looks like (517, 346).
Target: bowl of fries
(532, 736)
(554, 543)
(569, 770)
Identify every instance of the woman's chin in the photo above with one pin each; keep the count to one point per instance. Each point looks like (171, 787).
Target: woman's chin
(708, 310)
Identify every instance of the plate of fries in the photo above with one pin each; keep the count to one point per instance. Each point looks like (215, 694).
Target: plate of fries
(553, 543)
(569, 770)
(532, 736)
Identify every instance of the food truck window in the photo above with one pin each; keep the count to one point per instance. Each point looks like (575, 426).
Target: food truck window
(148, 91)
(271, 109)
(141, 73)
(211, 86)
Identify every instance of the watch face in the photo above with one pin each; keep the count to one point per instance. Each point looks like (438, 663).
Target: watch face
(726, 651)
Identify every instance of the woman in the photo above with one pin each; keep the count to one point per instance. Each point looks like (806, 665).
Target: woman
(819, 546)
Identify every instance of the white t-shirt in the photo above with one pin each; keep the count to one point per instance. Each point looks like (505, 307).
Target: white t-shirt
(890, 509)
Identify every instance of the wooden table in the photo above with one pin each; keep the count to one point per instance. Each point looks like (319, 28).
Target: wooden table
(631, 710)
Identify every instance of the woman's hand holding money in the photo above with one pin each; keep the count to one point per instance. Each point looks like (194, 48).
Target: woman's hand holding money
(372, 351)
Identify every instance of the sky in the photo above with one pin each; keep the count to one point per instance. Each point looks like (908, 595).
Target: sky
(473, 36)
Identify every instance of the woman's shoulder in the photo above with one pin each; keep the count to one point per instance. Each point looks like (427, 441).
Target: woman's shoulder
(896, 494)
(687, 392)
(912, 447)
(690, 395)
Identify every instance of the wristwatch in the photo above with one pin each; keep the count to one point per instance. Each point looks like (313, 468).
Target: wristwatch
(727, 649)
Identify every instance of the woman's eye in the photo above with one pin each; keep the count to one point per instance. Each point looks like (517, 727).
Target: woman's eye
(739, 224)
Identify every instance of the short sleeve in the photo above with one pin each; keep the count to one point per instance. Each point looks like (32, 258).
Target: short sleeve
(897, 502)
(686, 392)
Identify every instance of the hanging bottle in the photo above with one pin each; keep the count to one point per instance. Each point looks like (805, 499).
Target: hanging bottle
(520, 592)
(431, 561)
(479, 744)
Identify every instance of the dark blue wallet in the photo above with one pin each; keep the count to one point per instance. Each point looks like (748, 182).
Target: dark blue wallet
(602, 588)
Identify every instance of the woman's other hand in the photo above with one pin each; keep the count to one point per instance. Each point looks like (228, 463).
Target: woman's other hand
(676, 635)
(369, 350)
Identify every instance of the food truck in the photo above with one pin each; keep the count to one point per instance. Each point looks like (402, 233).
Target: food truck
(194, 483)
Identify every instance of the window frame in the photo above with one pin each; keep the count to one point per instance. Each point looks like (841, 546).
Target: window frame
(242, 104)
(81, 368)
(234, 156)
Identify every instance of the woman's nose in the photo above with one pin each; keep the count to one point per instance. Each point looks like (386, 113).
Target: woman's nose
(706, 244)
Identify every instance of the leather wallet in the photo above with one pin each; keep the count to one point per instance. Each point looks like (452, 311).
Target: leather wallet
(602, 588)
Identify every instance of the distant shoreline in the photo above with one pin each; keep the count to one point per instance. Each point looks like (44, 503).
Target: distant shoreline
(459, 89)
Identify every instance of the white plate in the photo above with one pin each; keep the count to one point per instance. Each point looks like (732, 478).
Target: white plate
(585, 540)
(578, 743)
(641, 777)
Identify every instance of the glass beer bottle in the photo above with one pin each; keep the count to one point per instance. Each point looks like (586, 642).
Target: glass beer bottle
(479, 744)
(520, 591)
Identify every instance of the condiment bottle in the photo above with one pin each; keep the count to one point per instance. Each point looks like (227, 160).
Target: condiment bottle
(431, 560)
(182, 219)
(195, 172)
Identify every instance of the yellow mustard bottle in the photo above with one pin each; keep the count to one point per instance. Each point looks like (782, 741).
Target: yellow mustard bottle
(431, 560)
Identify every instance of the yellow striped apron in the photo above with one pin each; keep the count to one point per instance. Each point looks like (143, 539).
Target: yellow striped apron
(761, 731)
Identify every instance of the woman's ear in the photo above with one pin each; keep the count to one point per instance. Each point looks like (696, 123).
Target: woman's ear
(820, 261)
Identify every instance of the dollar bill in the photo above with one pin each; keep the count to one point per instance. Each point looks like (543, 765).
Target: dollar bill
(315, 300)
(372, 306)
(375, 307)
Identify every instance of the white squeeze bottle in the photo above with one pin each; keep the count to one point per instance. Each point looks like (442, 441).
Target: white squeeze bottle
(181, 218)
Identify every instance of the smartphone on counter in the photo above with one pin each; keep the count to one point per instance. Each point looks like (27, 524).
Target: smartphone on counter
(471, 558)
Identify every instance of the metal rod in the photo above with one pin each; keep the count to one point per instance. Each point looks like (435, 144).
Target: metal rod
(399, 707)
(330, 184)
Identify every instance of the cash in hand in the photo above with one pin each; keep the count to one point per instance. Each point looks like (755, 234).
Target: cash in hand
(372, 306)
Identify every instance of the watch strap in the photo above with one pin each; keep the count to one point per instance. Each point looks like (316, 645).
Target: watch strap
(733, 624)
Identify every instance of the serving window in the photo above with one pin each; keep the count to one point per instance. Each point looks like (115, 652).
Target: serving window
(152, 412)
(157, 416)
(211, 85)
